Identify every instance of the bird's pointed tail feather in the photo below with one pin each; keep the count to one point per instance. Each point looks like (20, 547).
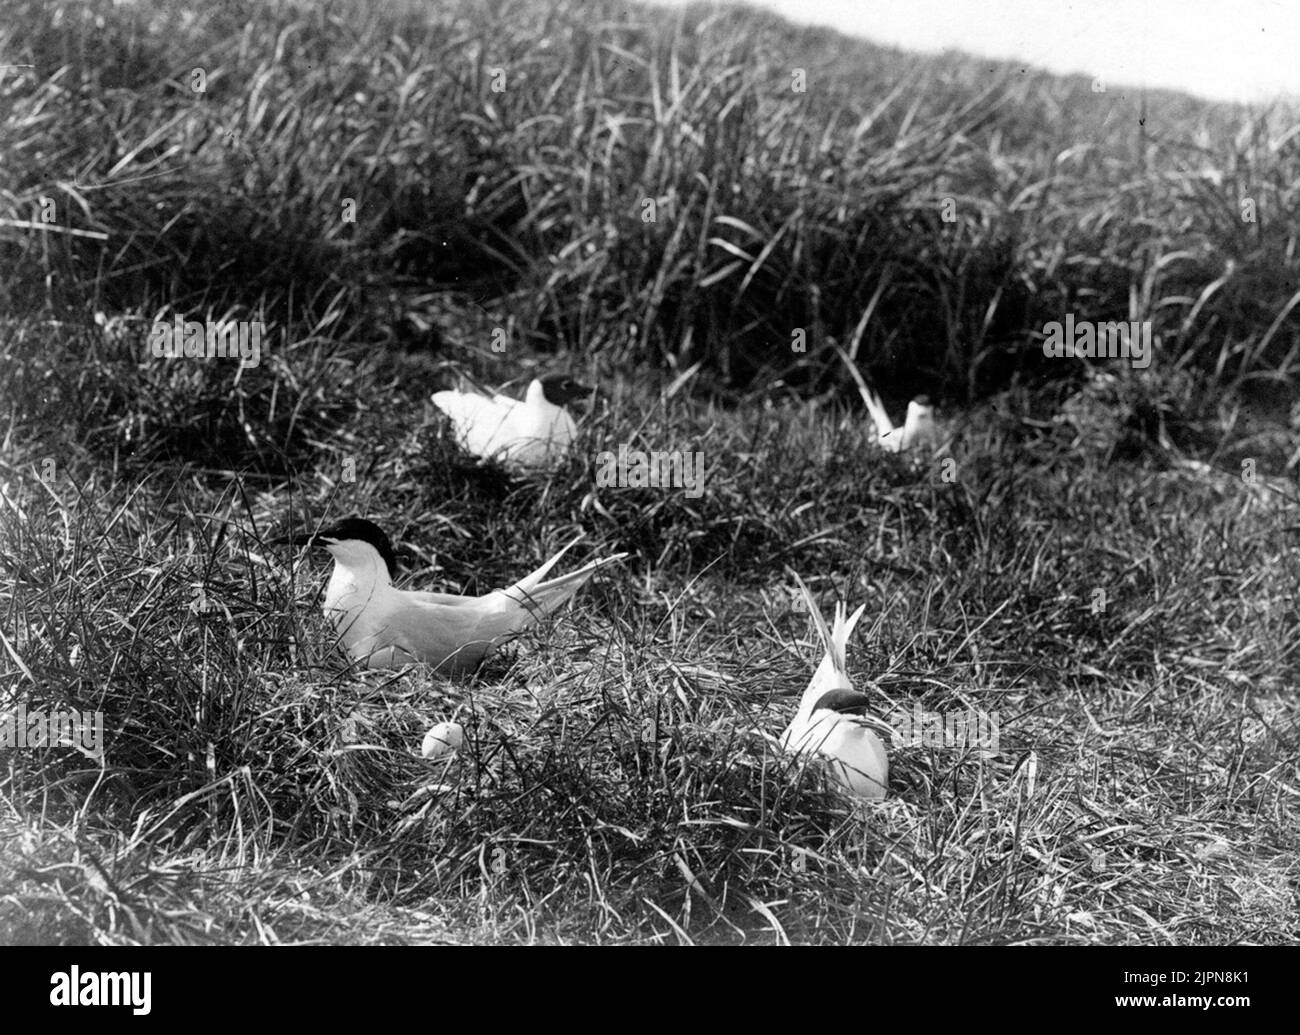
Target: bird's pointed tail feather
(842, 631)
(834, 640)
(534, 578)
(875, 407)
(543, 598)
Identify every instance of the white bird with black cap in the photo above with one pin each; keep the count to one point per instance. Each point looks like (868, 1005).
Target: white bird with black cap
(825, 723)
(919, 427)
(381, 626)
(534, 433)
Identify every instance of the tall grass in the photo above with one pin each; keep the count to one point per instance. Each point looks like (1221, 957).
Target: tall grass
(701, 185)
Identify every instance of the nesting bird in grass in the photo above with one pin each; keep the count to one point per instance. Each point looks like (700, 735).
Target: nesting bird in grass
(825, 724)
(381, 626)
(919, 428)
(532, 434)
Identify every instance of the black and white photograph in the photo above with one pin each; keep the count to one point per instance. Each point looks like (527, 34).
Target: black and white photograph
(593, 473)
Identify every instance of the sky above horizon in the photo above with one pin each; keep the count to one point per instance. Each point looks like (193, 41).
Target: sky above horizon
(1243, 50)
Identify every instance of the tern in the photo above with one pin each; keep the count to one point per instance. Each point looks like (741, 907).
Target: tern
(381, 626)
(919, 427)
(534, 433)
(824, 724)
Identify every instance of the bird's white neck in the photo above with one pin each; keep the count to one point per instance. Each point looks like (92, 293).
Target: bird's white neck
(355, 580)
(918, 420)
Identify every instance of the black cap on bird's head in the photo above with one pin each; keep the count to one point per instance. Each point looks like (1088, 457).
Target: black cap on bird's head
(352, 528)
(559, 389)
(842, 700)
(923, 400)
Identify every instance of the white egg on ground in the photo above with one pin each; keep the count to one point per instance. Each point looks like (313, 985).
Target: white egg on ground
(442, 740)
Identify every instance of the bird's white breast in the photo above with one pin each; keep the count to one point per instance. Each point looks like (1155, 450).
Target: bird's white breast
(856, 756)
(358, 607)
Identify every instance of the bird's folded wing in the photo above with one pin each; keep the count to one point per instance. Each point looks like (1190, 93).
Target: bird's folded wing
(473, 409)
(485, 427)
(440, 599)
(439, 627)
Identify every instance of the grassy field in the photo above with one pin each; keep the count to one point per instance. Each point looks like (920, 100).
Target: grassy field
(1103, 557)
